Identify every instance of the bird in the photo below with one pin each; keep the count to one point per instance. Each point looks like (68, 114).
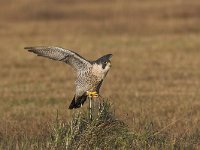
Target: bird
(89, 74)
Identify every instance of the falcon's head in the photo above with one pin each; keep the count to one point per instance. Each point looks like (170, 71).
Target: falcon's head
(104, 62)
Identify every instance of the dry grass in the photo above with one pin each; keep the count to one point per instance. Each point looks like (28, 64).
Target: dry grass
(154, 82)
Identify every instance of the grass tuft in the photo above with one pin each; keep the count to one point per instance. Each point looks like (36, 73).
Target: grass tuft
(105, 131)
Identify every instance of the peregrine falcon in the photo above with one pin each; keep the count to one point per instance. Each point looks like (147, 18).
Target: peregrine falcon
(90, 74)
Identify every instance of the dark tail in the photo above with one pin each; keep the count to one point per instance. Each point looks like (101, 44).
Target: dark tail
(78, 102)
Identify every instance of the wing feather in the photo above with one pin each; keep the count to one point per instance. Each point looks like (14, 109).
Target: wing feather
(61, 54)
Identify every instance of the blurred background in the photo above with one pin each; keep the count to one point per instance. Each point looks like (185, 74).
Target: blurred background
(155, 65)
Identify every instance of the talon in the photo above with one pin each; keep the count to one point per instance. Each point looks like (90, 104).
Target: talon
(96, 95)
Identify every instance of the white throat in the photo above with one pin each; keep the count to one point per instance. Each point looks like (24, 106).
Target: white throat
(98, 71)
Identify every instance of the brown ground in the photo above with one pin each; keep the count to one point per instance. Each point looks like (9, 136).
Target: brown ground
(155, 78)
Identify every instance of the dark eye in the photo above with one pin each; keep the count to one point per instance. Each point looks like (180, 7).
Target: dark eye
(104, 65)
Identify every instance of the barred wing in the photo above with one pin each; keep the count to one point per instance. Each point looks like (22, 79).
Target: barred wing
(60, 54)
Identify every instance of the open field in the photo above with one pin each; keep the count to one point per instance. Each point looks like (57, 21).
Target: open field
(154, 82)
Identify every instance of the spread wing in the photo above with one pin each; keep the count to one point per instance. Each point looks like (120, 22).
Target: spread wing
(60, 54)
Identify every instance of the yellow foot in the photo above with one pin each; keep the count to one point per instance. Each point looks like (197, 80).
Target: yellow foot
(92, 94)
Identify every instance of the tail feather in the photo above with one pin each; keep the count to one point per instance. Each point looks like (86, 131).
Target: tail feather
(76, 103)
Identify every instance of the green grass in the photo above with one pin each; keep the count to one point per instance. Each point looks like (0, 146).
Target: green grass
(104, 131)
